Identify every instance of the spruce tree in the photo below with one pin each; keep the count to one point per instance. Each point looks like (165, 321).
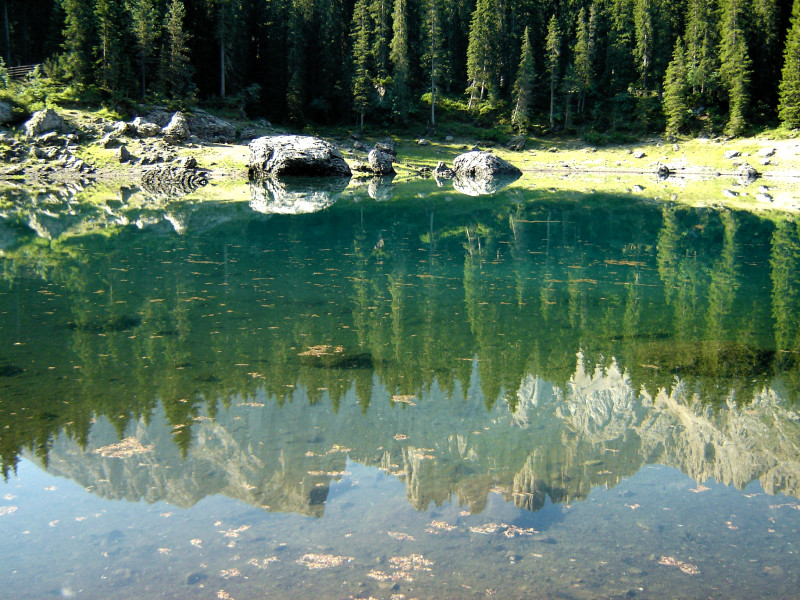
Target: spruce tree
(701, 39)
(735, 65)
(524, 85)
(401, 64)
(480, 51)
(78, 37)
(433, 57)
(144, 19)
(676, 90)
(789, 104)
(177, 71)
(112, 60)
(583, 58)
(553, 57)
(362, 83)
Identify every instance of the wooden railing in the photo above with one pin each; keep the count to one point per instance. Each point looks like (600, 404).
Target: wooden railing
(21, 71)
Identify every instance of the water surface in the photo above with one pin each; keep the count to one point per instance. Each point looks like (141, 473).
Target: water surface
(522, 395)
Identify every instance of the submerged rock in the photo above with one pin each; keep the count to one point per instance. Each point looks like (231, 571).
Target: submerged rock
(295, 195)
(295, 156)
(381, 188)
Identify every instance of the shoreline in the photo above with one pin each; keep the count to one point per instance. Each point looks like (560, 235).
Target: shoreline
(702, 171)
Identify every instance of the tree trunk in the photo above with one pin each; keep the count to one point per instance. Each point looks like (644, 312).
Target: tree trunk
(222, 50)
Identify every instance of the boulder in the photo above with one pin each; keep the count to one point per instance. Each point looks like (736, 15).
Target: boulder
(387, 147)
(123, 154)
(748, 174)
(480, 173)
(145, 128)
(766, 152)
(45, 121)
(295, 155)
(442, 171)
(483, 165)
(380, 162)
(177, 130)
(211, 129)
(731, 154)
(639, 154)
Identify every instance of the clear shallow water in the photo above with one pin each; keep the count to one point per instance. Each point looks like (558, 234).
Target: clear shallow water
(518, 396)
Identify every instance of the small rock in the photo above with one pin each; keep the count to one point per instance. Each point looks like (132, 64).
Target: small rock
(765, 161)
(123, 154)
(442, 171)
(188, 162)
(676, 147)
(387, 147)
(357, 145)
(766, 152)
(423, 142)
(449, 139)
(762, 189)
(764, 197)
(729, 193)
(639, 154)
(731, 154)
(637, 189)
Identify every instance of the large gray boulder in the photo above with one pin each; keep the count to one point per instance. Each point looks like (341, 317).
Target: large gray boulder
(479, 173)
(380, 162)
(177, 130)
(483, 165)
(210, 128)
(295, 156)
(45, 121)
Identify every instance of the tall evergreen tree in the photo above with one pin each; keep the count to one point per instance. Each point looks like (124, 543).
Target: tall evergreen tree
(553, 57)
(177, 71)
(144, 20)
(480, 50)
(78, 37)
(524, 84)
(362, 80)
(676, 90)
(701, 39)
(735, 65)
(433, 57)
(399, 57)
(381, 14)
(789, 105)
(584, 58)
(109, 22)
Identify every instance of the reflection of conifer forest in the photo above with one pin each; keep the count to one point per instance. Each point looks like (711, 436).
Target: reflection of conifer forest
(409, 295)
(600, 64)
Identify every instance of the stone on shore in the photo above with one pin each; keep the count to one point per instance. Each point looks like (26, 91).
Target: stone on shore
(177, 130)
(295, 156)
(45, 121)
(483, 165)
(380, 162)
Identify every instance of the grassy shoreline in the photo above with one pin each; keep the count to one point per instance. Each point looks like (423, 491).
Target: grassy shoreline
(701, 174)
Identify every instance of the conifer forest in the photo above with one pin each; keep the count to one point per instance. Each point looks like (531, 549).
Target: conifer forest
(685, 66)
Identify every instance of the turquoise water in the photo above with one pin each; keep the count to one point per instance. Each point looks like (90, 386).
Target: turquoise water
(522, 395)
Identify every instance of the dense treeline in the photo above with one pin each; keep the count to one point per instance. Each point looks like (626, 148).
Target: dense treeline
(687, 65)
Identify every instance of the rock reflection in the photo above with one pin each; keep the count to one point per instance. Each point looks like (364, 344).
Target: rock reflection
(478, 186)
(294, 196)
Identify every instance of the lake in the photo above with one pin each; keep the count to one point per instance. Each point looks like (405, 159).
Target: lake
(397, 391)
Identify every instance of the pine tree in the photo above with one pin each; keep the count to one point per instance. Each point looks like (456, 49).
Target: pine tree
(399, 57)
(433, 56)
(381, 14)
(583, 58)
(735, 65)
(109, 23)
(177, 71)
(78, 37)
(524, 84)
(553, 56)
(789, 105)
(480, 50)
(701, 41)
(362, 83)
(676, 90)
(144, 18)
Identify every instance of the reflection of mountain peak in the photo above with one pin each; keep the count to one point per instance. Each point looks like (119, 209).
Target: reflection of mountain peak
(556, 444)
